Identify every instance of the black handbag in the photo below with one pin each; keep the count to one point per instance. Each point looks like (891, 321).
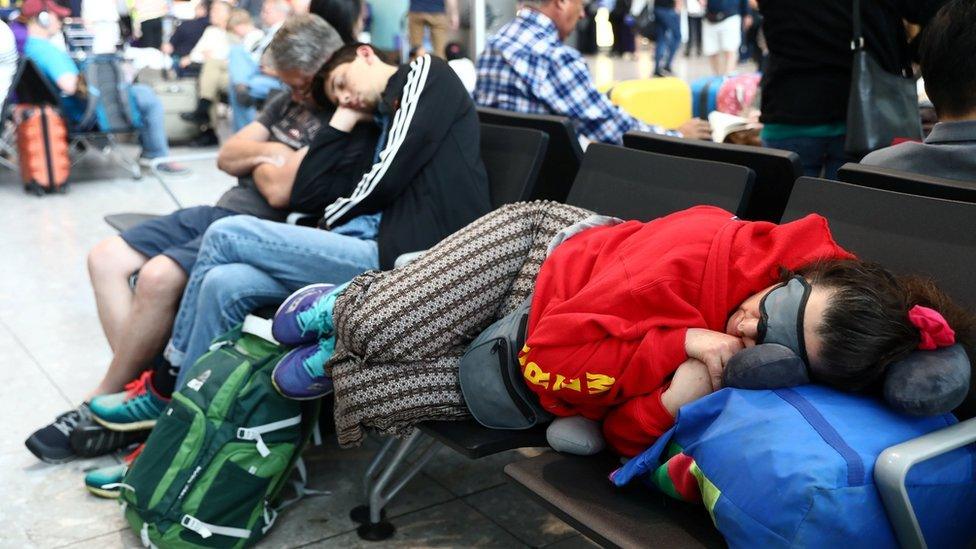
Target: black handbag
(715, 16)
(881, 106)
(645, 24)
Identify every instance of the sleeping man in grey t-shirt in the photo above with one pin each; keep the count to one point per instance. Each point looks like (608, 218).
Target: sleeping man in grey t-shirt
(265, 156)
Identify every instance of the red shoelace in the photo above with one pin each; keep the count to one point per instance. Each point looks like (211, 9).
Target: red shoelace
(138, 385)
(134, 454)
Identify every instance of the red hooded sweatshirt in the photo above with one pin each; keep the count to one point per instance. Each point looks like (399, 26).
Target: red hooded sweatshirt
(612, 305)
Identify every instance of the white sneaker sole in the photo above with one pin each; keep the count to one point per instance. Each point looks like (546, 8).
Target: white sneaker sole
(136, 426)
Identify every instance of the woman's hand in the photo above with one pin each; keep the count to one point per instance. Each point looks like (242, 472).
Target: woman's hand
(714, 349)
(690, 382)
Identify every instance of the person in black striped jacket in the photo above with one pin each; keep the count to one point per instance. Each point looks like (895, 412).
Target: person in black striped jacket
(427, 181)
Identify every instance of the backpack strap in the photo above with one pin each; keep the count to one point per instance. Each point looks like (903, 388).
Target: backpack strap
(301, 488)
(270, 515)
(257, 326)
(206, 530)
(254, 433)
(144, 536)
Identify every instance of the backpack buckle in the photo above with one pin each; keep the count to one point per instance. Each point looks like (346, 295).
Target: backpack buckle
(195, 525)
(243, 433)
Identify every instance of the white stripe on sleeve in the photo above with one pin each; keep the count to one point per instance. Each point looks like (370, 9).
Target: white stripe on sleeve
(416, 80)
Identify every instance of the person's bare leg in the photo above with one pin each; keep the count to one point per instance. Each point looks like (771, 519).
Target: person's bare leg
(717, 61)
(148, 325)
(731, 61)
(110, 264)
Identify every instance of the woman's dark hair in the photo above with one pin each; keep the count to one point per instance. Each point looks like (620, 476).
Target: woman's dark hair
(945, 52)
(866, 327)
(343, 15)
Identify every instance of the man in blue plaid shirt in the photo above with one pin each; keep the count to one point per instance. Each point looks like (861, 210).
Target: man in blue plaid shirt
(526, 68)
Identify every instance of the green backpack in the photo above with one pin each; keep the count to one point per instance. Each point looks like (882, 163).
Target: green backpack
(212, 469)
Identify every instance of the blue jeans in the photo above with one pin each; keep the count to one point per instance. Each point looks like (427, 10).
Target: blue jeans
(152, 134)
(668, 24)
(820, 156)
(246, 263)
(241, 69)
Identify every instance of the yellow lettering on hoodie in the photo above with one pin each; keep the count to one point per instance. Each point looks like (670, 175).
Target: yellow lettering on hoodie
(534, 375)
(563, 383)
(598, 383)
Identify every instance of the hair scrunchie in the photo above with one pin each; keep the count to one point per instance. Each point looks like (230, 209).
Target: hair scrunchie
(933, 328)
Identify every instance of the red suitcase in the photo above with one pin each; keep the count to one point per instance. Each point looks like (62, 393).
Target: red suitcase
(42, 145)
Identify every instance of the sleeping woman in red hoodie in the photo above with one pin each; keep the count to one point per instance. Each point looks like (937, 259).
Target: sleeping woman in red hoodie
(631, 321)
(628, 321)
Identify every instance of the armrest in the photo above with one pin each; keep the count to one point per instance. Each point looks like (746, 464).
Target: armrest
(892, 467)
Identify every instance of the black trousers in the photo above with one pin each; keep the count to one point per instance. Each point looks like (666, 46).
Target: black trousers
(152, 33)
(694, 35)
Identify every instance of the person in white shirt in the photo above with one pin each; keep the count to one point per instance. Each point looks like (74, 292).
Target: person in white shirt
(214, 76)
(214, 43)
(101, 18)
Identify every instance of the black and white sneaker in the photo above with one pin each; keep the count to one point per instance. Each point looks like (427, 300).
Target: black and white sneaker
(51, 444)
(94, 439)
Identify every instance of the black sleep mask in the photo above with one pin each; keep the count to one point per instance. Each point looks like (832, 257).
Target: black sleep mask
(781, 315)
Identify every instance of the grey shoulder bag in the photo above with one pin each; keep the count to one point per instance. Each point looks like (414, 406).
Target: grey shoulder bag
(881, 106)
(491, 376)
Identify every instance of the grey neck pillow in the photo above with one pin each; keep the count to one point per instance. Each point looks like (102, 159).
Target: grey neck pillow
(922, 384)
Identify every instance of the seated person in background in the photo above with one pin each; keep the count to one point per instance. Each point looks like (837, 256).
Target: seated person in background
(44, 22)
(187, 34)
(526, 68)
(214, 78)
(950, 82)
(265, 156)
(252, 80)
(147, 21)
(458, 60)
(249, 76)
(427, 182)
(241, 28)
(214, 43)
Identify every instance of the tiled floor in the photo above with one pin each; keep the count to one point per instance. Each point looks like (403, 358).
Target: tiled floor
(52, 352)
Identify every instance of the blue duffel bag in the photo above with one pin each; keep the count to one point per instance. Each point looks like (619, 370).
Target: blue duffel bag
(795, 467)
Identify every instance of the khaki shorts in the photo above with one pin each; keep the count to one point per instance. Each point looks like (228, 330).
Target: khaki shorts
(438, 25)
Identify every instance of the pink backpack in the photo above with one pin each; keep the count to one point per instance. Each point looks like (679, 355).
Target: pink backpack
(737, 93)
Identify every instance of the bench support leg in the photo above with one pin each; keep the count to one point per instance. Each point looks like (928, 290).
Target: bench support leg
(380, 486)
(112, 151)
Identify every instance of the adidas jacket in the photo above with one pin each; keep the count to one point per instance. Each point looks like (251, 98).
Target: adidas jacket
(429, 180)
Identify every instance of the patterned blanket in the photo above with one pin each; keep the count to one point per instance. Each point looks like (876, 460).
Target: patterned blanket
(401, 333)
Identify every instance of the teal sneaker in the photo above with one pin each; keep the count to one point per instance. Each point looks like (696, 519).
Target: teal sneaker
(134, 409)
(106, 482)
